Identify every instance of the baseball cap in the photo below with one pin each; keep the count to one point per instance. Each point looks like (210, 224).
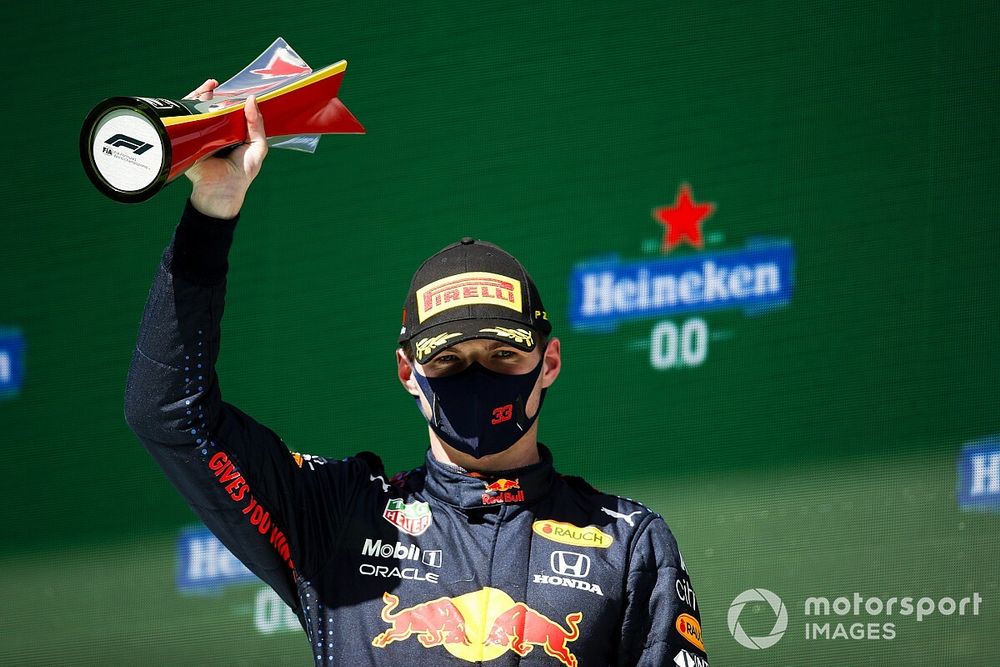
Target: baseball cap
(471, 289)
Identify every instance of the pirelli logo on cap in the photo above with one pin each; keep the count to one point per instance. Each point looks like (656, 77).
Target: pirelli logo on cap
(466, 289)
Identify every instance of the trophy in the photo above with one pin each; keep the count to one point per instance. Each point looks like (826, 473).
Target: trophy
(132, 146)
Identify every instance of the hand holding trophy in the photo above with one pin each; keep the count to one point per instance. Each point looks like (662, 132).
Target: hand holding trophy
(221, 182)
(132, 146)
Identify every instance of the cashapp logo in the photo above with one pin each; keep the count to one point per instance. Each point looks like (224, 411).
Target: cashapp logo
(689, 274)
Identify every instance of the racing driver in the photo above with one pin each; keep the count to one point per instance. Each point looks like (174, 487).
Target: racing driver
(483, 555)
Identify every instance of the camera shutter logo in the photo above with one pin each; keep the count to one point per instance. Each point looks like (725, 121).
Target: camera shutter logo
(570, 564)
(780, 622)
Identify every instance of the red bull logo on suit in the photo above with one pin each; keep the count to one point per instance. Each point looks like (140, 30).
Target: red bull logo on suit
(480, 626)
(503, 491)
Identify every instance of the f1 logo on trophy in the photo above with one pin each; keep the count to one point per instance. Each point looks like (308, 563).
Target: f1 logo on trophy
(132, 146)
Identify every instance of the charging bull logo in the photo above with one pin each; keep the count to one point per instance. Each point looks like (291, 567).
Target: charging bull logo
(502, 485)
(480, 626)
(503, 491)
(521, 627)
(435, 623)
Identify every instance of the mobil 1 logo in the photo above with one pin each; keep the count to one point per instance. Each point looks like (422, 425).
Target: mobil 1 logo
(684, 277)
(395, 560)
(399, 551)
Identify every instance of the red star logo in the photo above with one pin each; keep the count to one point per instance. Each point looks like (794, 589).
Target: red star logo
(682, 221)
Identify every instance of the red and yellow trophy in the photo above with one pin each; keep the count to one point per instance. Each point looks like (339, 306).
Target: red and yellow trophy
(132, 146)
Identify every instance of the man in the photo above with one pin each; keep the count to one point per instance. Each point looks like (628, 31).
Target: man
(483, 555)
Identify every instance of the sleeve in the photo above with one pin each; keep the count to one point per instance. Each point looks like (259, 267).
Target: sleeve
(278, 512)
(662, 623)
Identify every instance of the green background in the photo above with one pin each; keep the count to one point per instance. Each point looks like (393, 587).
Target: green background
(812, 453)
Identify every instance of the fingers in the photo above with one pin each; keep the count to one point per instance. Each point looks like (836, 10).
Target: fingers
(255, 121)
(203, 92)
(256, 137)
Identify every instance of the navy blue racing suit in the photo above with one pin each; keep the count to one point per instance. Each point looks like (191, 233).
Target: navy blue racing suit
(436, 566)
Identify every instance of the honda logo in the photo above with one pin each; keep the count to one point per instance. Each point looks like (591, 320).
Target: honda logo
(570, 564)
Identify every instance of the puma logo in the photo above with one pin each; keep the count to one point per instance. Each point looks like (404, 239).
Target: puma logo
(617, 515)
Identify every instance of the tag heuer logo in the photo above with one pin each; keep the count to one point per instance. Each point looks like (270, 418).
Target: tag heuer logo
(412, 519)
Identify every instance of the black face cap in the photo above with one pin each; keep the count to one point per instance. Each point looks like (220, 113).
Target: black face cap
(472, 289)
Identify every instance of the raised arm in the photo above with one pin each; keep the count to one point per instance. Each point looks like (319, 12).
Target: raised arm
(235, 473)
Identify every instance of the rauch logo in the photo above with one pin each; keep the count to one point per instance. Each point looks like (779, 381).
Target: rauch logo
(754, 279)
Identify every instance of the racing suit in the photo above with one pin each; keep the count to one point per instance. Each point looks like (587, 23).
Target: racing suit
(435, 566)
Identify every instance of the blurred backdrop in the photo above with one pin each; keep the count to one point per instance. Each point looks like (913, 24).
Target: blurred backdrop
(765, 233)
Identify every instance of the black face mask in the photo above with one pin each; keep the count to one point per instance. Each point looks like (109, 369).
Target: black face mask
(478, 411)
